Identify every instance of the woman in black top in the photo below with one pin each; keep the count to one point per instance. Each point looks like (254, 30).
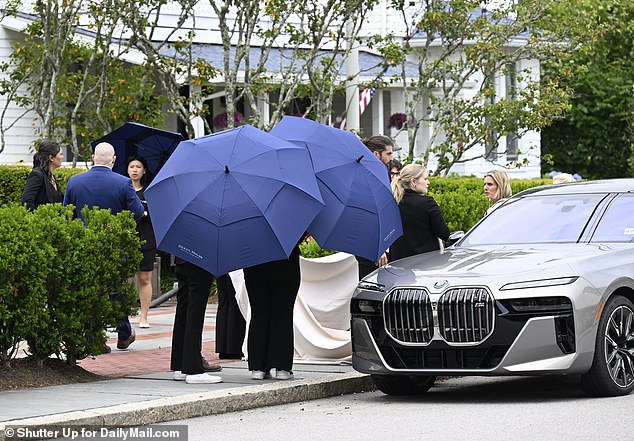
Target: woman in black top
(423, 223)
(41, 186)
(138, 172)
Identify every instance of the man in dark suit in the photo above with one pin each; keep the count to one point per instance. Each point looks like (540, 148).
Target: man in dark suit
(103, 188)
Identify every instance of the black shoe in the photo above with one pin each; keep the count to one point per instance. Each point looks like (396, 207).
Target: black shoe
(228, 356)
(123, 344)
(210, 367)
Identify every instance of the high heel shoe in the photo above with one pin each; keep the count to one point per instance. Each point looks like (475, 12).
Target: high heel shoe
(144, 325)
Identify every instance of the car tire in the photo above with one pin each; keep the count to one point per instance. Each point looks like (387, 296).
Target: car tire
(612, 371)
(403, 385)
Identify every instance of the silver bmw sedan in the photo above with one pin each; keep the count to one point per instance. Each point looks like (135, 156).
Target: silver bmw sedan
(542, 285)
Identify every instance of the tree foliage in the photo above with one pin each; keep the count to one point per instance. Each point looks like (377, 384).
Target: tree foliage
(595, 139)
(458, 42)
(80, 88)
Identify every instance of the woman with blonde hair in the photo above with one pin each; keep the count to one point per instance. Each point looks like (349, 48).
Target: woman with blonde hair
(423, 222)
(497, 188)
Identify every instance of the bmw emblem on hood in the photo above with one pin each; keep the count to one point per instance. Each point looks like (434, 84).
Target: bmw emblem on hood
(440, 284)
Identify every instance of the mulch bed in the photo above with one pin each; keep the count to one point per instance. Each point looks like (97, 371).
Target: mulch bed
(24, 374)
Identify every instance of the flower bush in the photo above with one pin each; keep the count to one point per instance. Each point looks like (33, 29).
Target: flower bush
(309, 248)
(398, 120)
(221, 121)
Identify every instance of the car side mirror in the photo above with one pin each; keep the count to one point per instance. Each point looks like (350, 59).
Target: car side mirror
(455, 237)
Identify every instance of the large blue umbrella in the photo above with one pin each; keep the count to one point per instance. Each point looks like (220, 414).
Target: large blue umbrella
(233, 199)
(134, 139)
(361, 215)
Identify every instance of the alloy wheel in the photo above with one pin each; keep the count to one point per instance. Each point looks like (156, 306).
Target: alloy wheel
(619, 346)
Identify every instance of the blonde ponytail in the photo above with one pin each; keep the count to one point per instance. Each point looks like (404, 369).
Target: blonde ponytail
(402, 182)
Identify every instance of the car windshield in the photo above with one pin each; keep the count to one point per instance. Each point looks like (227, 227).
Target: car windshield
(535, 219)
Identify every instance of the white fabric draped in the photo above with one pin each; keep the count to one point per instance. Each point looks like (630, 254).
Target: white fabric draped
(321, 317)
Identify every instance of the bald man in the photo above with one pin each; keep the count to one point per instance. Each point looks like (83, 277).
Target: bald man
(103, 188)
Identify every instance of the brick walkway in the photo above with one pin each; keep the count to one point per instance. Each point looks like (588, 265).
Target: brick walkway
(150, 353)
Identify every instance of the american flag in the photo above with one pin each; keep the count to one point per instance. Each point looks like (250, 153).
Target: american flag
(365, 96)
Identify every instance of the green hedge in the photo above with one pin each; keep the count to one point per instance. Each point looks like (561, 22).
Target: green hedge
(13, 177)
(462, 200)
(57, 278)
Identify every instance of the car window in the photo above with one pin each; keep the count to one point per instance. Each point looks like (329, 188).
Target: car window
(535, 219)
(617, 223)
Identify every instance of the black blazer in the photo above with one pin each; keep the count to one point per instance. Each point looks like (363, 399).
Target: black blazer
(423, 224)
(38, 190)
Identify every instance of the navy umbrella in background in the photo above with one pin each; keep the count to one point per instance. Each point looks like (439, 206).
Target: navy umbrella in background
(361, 215)
(134, 139)
(233, 199)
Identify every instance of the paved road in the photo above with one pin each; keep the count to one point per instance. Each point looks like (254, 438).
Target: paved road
(469, 409)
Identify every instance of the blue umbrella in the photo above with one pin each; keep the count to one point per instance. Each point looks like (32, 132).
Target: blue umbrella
(233, 199)
(134, 139)
(361, 216)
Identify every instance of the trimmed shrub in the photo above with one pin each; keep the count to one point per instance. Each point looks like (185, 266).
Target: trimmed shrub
(23, 271)
(13, 178)
(98, 293)
(62, 283)
(462, 200)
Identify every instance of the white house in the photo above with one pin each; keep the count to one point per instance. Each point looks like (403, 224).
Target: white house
(385, 101)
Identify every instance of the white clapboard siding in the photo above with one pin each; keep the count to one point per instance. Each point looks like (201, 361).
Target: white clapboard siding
(18, 139)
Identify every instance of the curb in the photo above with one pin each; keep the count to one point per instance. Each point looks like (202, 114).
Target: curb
(204, 404)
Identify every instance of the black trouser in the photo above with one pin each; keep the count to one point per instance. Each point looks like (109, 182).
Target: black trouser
(366, 266)
(272, 290)
(230, 324)
(194, 286)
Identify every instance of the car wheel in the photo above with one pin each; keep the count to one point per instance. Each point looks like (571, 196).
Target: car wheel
(403, 385)
(612, 371)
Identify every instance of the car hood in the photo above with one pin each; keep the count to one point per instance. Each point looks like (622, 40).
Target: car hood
(488, 265)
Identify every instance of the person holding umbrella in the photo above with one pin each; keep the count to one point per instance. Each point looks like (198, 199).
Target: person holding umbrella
(240, 198)
(138, 172)
(272, 289)
(383, 148)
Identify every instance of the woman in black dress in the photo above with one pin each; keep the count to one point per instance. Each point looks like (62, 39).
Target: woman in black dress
(138, 173)
(423, 223)
(41, 186)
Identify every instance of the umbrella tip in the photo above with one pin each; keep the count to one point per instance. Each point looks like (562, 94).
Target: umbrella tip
(360, 158)
(226, 169)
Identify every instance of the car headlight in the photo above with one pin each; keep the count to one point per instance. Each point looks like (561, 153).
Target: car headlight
(540, 283)
(553, 305)
(370, 286)
(365, 306)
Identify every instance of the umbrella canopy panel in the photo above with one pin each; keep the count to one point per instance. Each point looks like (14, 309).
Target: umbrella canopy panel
(361, 216)
(233, 199)
(134, 139)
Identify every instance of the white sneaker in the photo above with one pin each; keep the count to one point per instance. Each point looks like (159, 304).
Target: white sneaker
(260, 375)
(203, 378)
(179, 376)
(284, 375)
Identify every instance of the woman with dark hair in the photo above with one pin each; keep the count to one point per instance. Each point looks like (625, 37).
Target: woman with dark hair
(139, 174)
(394, 167)
(41, 186)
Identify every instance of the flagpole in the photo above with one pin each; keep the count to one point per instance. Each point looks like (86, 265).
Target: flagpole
(352, 79)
